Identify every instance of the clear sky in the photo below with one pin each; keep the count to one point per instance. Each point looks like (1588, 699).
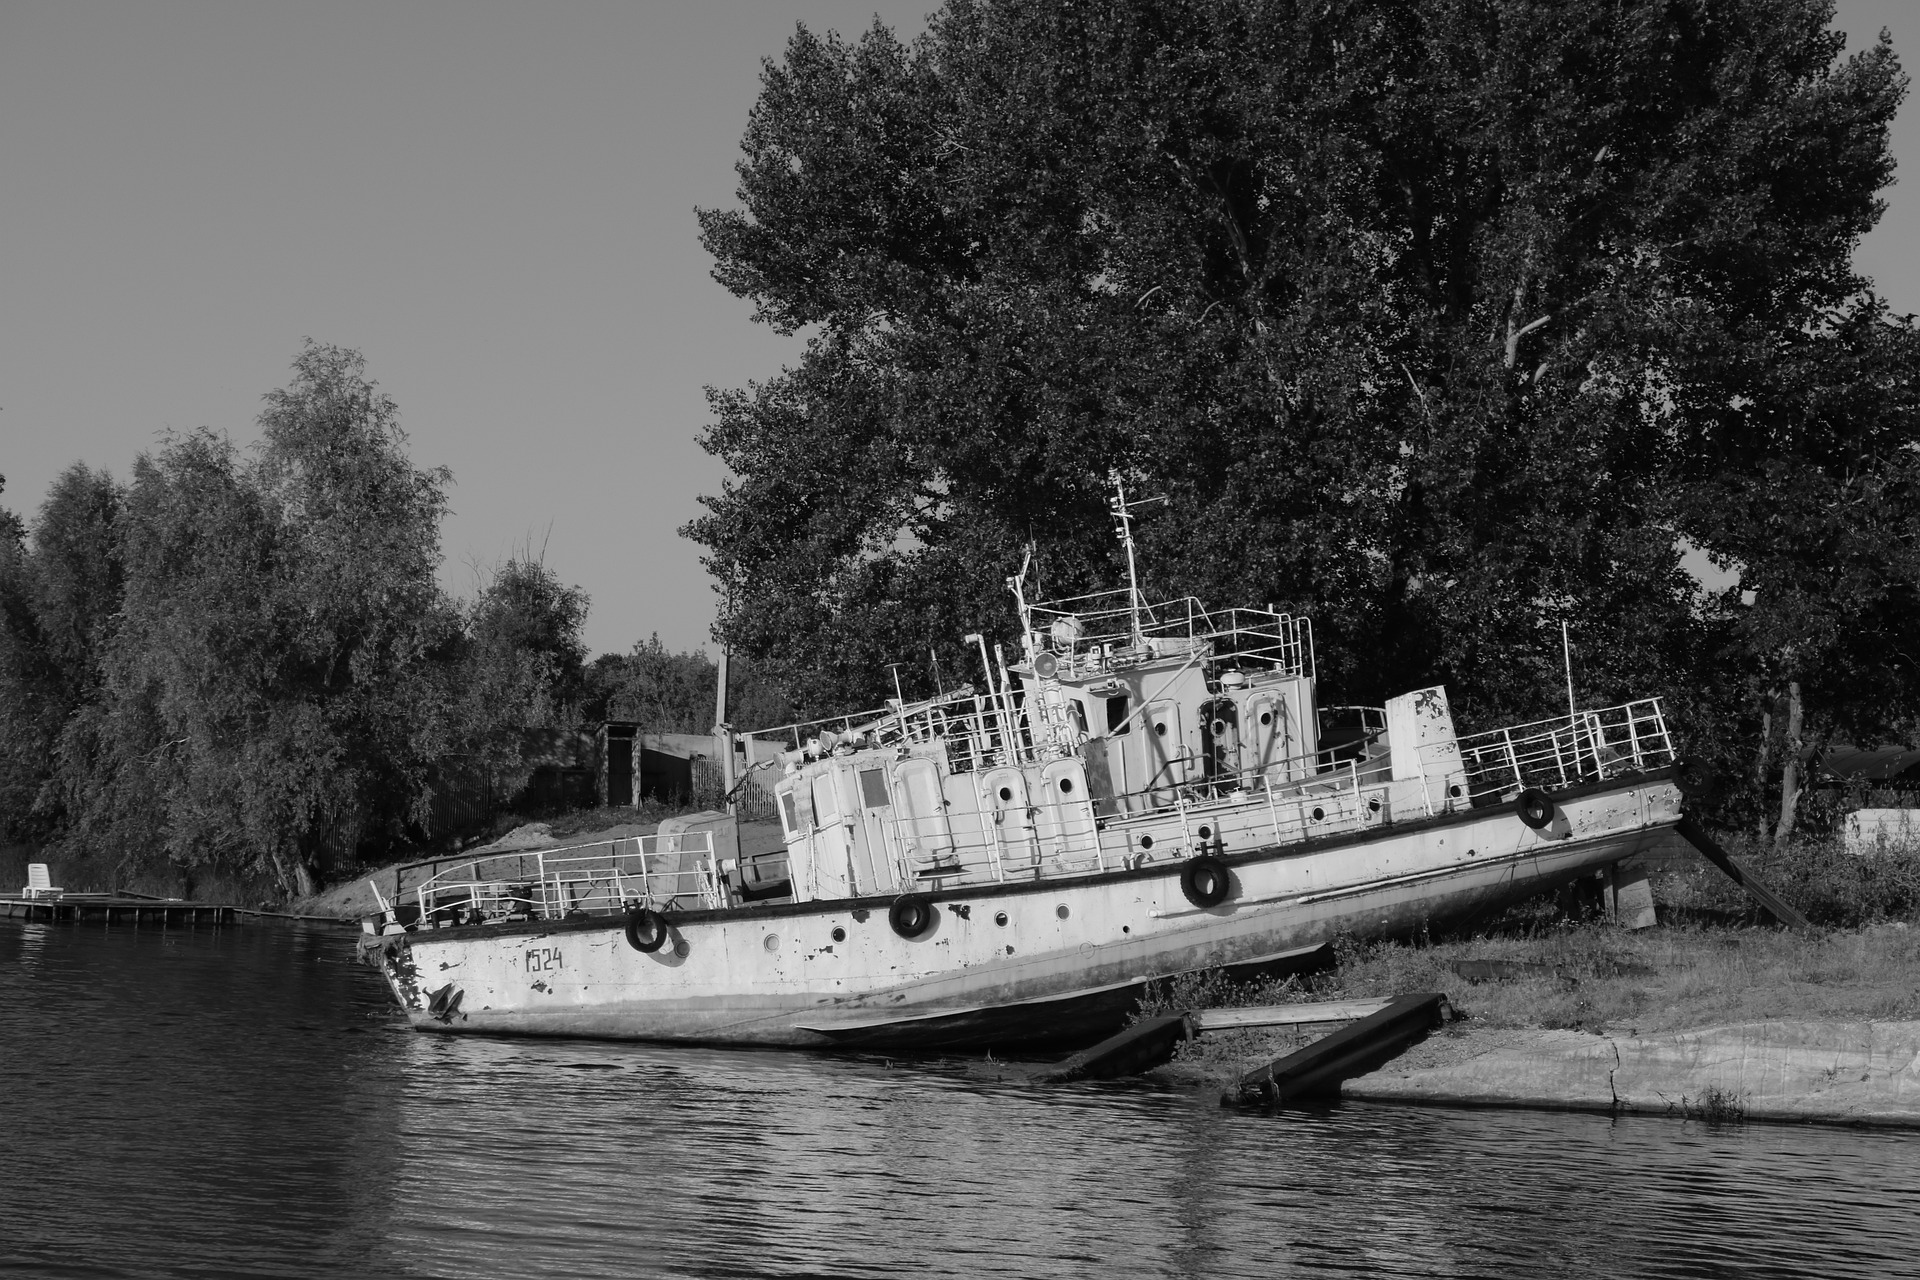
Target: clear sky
(493, 202)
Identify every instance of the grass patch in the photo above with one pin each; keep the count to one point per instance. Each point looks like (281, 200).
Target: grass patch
(1604, 978)
(1714, 1106)
(1829, 885)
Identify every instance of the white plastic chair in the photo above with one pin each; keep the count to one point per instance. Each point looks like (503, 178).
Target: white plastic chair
(39, 883)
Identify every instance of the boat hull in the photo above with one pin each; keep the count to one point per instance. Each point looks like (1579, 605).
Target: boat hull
(1046, 960)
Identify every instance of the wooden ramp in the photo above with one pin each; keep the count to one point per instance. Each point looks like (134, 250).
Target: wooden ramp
(1151, 1042)
(104, 908)
(1356, 1049)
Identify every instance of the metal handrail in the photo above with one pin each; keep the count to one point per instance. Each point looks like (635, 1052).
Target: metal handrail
(543, 884)
(1583, 747)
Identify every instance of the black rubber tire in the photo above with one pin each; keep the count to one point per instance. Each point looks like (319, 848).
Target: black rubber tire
(1694, 778)
(1206, 881)
(1535, 809)
(646, 929)
(910, 915)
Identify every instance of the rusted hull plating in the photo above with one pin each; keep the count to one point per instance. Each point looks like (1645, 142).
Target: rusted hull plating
(1055, 960)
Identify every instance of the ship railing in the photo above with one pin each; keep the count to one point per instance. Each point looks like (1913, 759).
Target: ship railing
(1285, 801)
(1280, 809)
(1093, 634)
(1587, 746)
(912, 722)
(659, 871)
(1021, 844)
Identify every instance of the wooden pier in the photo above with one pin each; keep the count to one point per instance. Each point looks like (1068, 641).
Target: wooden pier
(106, 908)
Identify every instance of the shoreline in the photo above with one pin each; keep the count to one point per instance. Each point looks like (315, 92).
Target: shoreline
(1848, 1073)
(1785, 1071)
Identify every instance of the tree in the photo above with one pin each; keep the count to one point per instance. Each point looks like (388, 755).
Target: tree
(520, 668)
(28, 712)
(1810, 490)
(667, 692)
(1423, 318)
(59, 594)
(274, 655)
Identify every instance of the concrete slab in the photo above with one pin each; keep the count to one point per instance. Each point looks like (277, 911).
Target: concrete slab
(1827, 1072)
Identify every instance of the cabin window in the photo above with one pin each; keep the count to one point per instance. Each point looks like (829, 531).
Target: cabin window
(826, 805)
(1078, 711)
(1117, 714)
(790, 812)
(873, 789)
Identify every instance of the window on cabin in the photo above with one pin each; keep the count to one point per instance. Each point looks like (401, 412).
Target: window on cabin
(1117, 714)
(1078, 711)
(826, 803)
(873, 789)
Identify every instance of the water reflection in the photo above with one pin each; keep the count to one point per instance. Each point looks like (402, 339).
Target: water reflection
(242, 1102)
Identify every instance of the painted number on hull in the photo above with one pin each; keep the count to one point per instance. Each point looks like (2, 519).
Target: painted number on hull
(540, 959)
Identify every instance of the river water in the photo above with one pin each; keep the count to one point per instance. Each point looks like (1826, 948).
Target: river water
(243, 1102)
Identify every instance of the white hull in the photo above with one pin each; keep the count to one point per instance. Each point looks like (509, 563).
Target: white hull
(1066, 963)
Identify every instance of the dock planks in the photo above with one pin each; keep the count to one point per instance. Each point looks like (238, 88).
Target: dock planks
(101, 908)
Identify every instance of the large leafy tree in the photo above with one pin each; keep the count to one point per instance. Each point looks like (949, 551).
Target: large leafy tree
(59, 594)
(1441, 322)
(259, 671)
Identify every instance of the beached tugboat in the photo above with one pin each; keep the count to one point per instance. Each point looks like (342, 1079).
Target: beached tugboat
(1143, 790)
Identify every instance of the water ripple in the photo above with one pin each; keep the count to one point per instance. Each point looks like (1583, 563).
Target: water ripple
(243, 1103)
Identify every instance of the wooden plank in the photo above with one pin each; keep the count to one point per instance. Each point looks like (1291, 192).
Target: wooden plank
(1286, 1015)
(1141, 1047)
(1353, 1050)
(1710, 849)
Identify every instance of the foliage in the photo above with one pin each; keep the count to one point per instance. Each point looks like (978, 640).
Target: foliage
(1830, 885)
(667, 692)
(1441, 323)
(243, 665)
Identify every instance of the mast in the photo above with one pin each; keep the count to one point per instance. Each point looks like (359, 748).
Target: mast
(722, 731)
(1123, 518)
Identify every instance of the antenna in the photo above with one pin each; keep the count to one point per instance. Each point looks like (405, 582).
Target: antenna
(1566, 655)
(1017, 585)
(898, 696)
(1123, 517)
(934, 654)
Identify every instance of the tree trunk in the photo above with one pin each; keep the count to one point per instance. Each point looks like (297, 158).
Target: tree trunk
(1790, 769)
(295, 881)
(1762, 765)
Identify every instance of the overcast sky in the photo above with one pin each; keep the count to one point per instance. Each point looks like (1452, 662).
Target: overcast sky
(493, 202)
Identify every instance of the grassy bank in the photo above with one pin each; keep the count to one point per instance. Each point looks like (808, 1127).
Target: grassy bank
(1715, 959)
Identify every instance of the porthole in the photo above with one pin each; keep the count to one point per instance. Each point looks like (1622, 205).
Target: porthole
(839, 934)
(1219, 728)
(1146, 842)
(1266, 717)
(1318, 813)
(1160, 728)
(1061, 911)
(772, 942)
(1374, 804)
(1000, 918)
(1006, 793)
(1454, 791)
(1206, 833)
(681, 948)
(1066, 786)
